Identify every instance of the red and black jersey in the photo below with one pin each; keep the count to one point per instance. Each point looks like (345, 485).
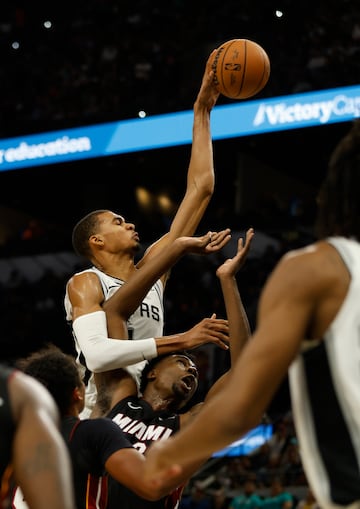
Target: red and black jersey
(142, 426)
(91, 442)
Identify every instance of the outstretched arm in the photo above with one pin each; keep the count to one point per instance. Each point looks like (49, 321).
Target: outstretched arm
(239, 330)
(200, 176)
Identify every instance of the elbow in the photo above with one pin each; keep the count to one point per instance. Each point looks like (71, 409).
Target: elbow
(95, 364)
(151, 493)
(204, 186)
(207, 190)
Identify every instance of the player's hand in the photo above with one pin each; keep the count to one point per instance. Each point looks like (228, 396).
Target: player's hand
(212, 242)
(209, 330)
(208, 93)
(231, 266)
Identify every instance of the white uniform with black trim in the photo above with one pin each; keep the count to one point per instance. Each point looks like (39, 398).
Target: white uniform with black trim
(147, 321)
(325, 394)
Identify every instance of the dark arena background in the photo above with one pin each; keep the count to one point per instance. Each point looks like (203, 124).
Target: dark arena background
(72, 64)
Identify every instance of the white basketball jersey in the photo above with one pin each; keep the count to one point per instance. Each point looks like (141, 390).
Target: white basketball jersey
(325, 395)
(146, 322)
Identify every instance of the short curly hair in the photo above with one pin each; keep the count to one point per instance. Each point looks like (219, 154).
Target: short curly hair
(45, 365)
(83, 230)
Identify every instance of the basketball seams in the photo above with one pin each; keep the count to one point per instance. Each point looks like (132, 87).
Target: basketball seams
(259, 84)
(241, 68)
(266, 73)
(222, 67)
(223, 70)
(244, 68)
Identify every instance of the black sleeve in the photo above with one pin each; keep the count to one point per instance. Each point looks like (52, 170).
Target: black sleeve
(101, 436)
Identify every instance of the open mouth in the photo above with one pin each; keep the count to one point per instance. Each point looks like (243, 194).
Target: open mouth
(188, 382)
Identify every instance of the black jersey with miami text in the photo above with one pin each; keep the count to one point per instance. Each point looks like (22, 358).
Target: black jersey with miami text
(142, 426)
(91, 442)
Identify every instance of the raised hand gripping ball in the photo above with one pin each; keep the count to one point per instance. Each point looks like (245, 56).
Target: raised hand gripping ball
(241, 68)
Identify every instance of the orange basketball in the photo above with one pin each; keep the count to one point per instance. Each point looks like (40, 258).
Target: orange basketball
(241, 68)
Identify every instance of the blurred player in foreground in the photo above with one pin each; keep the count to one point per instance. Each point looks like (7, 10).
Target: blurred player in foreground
(33, 454)
(308, 323)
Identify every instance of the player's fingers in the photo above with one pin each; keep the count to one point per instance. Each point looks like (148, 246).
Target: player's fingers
(223, 344)
(215, 326)
(217, 322)
(218, 236)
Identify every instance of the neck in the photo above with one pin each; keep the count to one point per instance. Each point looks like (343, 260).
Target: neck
(119, 270)
(159, 402)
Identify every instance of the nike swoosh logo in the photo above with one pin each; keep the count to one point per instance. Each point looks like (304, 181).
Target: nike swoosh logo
(167, 418)
(134, 407)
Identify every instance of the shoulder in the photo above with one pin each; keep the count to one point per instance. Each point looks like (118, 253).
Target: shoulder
(84, 287)
(307, 268)
(91, 433)
(305, 256)
(82, 277)
(97, 426)
(312, 256)
(101, 432)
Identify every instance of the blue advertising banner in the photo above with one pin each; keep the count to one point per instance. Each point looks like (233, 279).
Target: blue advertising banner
(251, 441)
(228, 121)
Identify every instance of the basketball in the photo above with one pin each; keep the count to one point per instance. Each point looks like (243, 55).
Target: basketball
(241, 68)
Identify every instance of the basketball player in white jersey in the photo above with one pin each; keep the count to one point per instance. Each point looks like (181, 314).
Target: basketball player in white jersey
(110, 244)
(309, 323)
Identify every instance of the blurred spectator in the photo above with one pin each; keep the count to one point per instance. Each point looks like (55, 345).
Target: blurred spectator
(277, 445)
(196, 499)
(249, 499)
(279, 497)
(220, 499)
(292, 467)
(133, 55)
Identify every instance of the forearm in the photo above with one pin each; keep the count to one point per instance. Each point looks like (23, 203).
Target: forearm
(103, 353)
(126, 300)
(201, 167)
(169, 344)
(239, 328)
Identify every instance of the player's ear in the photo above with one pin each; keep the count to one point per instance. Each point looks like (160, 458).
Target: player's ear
(96, 240)
(151, 375)
(78, 394)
